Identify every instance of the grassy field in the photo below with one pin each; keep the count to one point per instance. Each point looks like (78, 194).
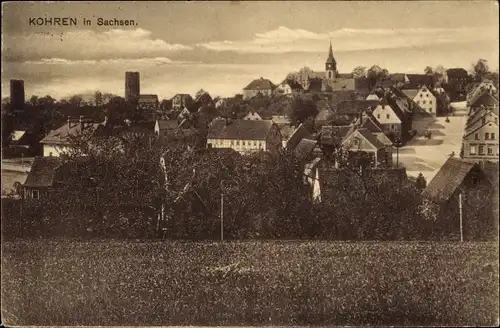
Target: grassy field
(265, 283)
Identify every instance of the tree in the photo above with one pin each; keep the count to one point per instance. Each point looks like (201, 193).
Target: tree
(480, 70)
(429, 70)
(375, 74)
(301, 109)
(359, 71)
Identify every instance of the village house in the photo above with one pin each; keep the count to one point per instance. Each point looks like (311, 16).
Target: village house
(148, 102)
(164, 127)
(362, 140)
(456, 177)
(351, 109)
(289, 87)
(387, 117)
(483, 99)
(253, 115)
(423, 98)
(456, 79)
(244, 136)
(179, 100)
(57, 141)
(260, 86)
(480, 141)
(41, 178)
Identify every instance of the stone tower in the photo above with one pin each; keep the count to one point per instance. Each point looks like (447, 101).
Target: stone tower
(331, 65)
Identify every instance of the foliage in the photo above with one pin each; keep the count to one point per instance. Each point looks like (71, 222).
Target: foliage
(480, 70)
(301, 109)
(359, 71)
(375, 74)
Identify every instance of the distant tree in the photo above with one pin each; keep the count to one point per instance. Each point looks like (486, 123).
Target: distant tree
(375, 74)
(480, 70)
(301, 109)
(199, 93)
(98, 98)
(359, 71)
(429, 70)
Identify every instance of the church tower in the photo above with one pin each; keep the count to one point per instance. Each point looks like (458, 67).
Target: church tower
(331, 65)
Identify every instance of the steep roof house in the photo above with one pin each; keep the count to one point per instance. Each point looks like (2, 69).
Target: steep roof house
(163, 127)
(148, 102)
(42, 177)
(289, 87)
(297, 136)
(259, 86)
(180, 99)
(244, 136)
(455, 176)
(57, 141)
(362, 140)
(483, 99)
(388, 119)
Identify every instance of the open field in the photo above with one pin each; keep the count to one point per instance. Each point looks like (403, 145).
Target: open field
(50, 282)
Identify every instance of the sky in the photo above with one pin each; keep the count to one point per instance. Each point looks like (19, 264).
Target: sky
(181, 47)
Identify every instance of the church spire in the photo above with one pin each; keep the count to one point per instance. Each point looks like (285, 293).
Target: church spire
(331, 64)
(330, 54)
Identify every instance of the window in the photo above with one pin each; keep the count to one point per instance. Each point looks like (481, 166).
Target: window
(35, 194)
(424, 102)
(472, 149)
(486, 136)
(490, 150)
(427, 95)
(243, 143)
(232, 142)
(255, 143)
(492, 136)
(430, 102)
(476, 136)
(237, 142)
(378, 115)
(387, 115)
(481, 150)
(496, 120)
(421, 95)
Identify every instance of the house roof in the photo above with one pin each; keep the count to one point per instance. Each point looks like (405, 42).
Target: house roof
(298, 134)
(483, 99)
(167, 124)
(456, 72)
(366, 122)
(334, 135)
(73, 128)
(355, 106)
(410, 93)
(315, 85)
(383, 138)
(371, 138)
(398, 77)
(148, 98)
(182, 95)
(448, 179)
(239, 129)
(43, 172)
(468, 133)
(286, 131)
(339, 84)
(305, 147)
(420, 79)
(260, 84)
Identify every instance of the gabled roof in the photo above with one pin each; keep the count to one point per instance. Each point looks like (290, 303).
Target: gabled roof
(410, 93)
(304, 148)
(297, 135)
(239, 129)
(355, 106)
(371, 138)
(286, 131)
(148, 98)
(339, 84)
(334, 135)
(420, 79)
(398, 77)
(448, 179)
(43, 172)
(484, 99)
(366, 122)
(60, 135)
(383, 138)
(468, 133)
(456, 72)
(260, 84)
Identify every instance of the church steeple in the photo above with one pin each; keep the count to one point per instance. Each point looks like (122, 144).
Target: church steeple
(331, 64)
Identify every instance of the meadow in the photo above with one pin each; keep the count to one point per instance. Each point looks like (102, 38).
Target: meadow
(68, 282)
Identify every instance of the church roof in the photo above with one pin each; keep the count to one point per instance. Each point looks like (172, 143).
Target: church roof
(331, 59)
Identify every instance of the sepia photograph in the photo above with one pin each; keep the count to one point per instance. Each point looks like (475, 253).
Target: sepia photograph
(250, 163)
